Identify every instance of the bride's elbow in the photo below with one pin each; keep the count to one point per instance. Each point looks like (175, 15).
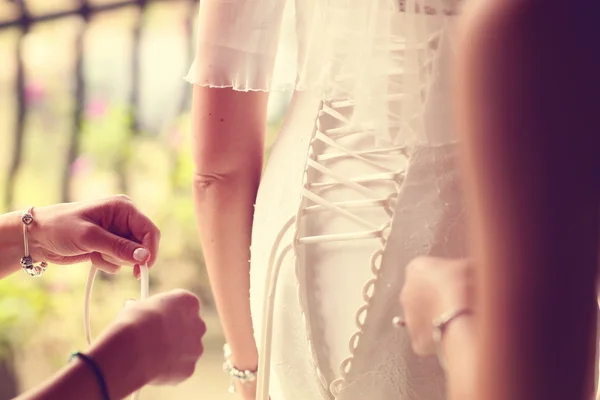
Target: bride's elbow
(223, 185)
(210, 189)
(203, 181)
(221, 164)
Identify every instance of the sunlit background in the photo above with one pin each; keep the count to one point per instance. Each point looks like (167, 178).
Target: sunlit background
(92, 103)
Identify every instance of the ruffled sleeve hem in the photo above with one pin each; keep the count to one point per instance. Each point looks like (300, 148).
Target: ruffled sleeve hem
(240, 46)
(251, 77)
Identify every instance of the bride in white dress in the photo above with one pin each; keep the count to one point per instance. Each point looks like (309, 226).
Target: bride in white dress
(362, 179)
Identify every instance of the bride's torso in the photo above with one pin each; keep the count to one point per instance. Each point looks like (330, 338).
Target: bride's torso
(336, 295)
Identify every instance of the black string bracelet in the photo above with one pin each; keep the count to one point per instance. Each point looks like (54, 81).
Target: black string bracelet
(96, 370)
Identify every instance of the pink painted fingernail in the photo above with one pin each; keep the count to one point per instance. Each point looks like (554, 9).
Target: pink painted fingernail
(141, 255)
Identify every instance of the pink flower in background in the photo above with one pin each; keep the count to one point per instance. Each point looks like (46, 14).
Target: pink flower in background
(96, 108)
(34, 93)
(81, 166)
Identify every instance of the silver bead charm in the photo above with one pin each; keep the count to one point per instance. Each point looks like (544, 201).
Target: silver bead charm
(30, 267)
(33, 269)
(26, 262)
(27, 218)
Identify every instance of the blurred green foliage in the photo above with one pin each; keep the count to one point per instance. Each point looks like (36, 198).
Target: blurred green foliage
(105, 139)
(22, 305)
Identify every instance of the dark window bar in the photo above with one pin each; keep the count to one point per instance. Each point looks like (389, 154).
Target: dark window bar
(17, 153)
(85, 11)
(79, 103)
(28, 19)
(189, 26)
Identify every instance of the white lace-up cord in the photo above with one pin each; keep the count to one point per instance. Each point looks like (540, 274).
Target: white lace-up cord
(144, 293)
(357, 183)
(341, 208)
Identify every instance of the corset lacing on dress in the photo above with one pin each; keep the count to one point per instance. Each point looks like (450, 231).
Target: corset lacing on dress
(325, 148)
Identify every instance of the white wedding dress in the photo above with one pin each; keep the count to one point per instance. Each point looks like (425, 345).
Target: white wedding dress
(362, 179)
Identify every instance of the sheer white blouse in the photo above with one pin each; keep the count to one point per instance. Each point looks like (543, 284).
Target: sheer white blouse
(281, 44)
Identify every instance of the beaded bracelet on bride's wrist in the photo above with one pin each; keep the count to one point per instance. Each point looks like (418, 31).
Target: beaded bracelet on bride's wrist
(235, 374)
(32, 268)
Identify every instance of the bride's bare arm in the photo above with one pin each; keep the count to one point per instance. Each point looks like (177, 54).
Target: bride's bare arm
(529, 86)
(228, 136)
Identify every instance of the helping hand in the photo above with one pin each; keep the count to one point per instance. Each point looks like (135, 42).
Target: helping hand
(434, 286)
(168, 330)
(109, 232)
(156, 341)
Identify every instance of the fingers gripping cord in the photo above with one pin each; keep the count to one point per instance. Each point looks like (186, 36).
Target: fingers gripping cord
(144, 293)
